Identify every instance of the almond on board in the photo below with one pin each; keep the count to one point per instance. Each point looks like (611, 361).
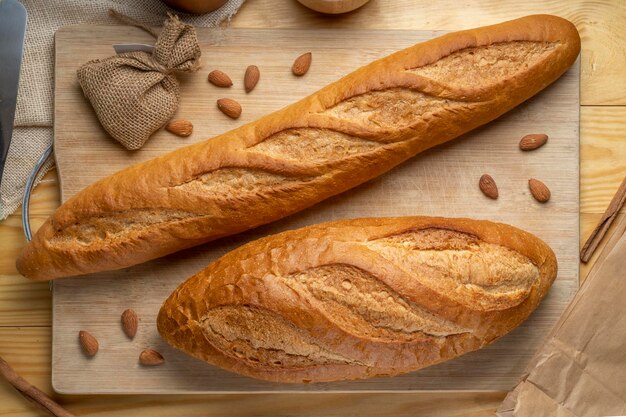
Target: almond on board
(229, 107)
(130, 322)
(251, 78)
(88, 342)
(150, 357)
(180, 127)
(539, 190)
(220, 79)
(533, 141)
(488, 186)
(302, 64)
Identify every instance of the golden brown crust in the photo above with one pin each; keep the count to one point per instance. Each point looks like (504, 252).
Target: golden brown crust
(352, 130)
(305, 305)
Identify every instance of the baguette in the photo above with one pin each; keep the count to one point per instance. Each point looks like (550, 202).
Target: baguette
(359, 298)
(345, 134)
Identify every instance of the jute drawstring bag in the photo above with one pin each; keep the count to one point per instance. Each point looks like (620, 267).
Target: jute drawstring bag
(135, 93)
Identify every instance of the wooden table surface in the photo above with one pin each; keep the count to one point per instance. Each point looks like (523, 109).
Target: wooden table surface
(25, 314)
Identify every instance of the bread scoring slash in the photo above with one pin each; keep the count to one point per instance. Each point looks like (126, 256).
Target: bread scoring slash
(360, 298)
(339, 137)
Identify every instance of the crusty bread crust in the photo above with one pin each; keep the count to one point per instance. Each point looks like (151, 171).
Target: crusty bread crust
(270, 287)
(345, 134)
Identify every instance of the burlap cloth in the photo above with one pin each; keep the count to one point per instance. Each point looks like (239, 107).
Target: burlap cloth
(34, 113)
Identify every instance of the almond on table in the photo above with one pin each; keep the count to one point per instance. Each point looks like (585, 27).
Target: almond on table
(539, 190)
(488, 186)
(229, 107)
(220, 79)
(302, 64)
(533, 141)
(150, 357)
(88, 342)
(130, 322)
(180, 127)
(251, 78)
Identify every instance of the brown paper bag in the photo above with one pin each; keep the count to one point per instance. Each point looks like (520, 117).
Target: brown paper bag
(581, 369)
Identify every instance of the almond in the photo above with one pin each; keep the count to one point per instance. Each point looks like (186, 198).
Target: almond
(180, 127)
(150, 357)
(130, 322)
(301, 64)
(220, 79)
(229, 107)
(88, 343)
(488, 186)
(533, 141)
(251, 78)
(539, 190)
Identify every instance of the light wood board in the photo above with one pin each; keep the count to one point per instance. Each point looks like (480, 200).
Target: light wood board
(442, 181)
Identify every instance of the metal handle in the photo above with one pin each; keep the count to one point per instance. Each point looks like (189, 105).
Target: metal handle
(29, 188)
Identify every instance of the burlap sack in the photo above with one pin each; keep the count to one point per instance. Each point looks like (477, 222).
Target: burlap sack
(136, 93)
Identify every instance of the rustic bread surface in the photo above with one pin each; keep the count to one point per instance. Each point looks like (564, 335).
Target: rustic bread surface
(345, 134)
(359, 298)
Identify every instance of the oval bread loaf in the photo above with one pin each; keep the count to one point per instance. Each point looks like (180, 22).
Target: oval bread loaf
(359, 298)
(345, 134)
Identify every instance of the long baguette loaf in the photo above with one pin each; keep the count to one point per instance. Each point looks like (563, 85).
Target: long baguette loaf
(359, 298)
(345, 134)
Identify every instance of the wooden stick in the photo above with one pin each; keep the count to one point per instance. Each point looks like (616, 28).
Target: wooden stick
(31, 392)
(605, 222)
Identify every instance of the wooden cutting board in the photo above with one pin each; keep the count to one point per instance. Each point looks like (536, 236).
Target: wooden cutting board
(442, 181)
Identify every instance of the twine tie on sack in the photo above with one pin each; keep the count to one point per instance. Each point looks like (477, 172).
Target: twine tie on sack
(134, 94)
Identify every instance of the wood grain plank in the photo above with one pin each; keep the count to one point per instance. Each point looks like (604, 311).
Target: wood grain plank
(27, 350)
(603, 156)
(328, 405)
(24, 303)
(600, 22)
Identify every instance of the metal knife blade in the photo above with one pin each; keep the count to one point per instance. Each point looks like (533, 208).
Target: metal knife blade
(12, 32)
(132, 47)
